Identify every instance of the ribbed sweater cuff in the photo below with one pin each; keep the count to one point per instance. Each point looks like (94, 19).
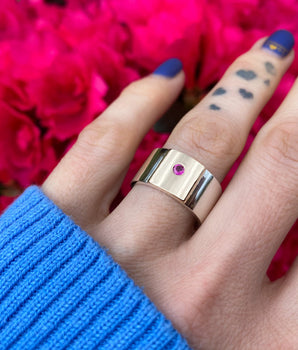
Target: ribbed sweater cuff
(60, 289)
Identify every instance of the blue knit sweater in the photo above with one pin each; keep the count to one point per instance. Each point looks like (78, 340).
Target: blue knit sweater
(60, 290)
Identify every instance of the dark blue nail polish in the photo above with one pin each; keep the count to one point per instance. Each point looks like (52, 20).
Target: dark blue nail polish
(169, 68)
(280, 42)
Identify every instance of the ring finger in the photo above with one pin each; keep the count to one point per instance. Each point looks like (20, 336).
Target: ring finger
(214, 133)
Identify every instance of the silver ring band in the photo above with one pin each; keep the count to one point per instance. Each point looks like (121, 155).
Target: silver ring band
(181, 177)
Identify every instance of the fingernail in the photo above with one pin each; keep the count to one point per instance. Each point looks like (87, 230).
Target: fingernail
(280, 42)
(169, 68)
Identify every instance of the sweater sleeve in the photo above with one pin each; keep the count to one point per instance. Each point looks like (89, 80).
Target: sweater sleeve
(60, 290)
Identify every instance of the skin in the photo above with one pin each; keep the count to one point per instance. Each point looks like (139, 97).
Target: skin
(210, 282)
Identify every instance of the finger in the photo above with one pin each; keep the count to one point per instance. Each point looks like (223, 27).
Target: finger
(90, 175)
(215, 131)
(261, 203)
(213, 136)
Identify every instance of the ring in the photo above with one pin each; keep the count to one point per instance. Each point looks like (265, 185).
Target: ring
(181, 177)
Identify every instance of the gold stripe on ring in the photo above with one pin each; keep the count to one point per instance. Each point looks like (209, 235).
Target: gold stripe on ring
(181, 177)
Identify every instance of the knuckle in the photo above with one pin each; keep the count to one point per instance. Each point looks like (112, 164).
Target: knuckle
(88, 136)
(101, 137)
(217, 136)
(280, 144)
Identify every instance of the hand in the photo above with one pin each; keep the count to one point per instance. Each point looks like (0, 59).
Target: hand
(211, 282)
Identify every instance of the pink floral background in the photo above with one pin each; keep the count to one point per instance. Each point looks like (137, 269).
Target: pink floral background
(63, 61)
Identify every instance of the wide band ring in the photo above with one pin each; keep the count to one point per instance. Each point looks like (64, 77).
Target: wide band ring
(181, 177)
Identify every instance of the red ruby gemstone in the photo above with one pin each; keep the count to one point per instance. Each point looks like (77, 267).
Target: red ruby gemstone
(178, 169)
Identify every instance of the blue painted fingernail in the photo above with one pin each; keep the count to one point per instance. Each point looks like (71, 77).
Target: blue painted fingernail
(280, 42)
(169, 68)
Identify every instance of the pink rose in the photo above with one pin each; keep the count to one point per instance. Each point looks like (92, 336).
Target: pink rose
(39, 13)
(13, 20)
(68, 95)
(116, 74)
(23, 61)
(101, 41)
(22, 148)
(14, 92)
(161, 29)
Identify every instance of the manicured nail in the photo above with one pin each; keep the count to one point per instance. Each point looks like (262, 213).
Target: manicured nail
(169, 68)
(280, 42)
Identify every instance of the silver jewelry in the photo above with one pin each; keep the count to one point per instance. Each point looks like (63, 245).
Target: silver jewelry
(181, 177)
